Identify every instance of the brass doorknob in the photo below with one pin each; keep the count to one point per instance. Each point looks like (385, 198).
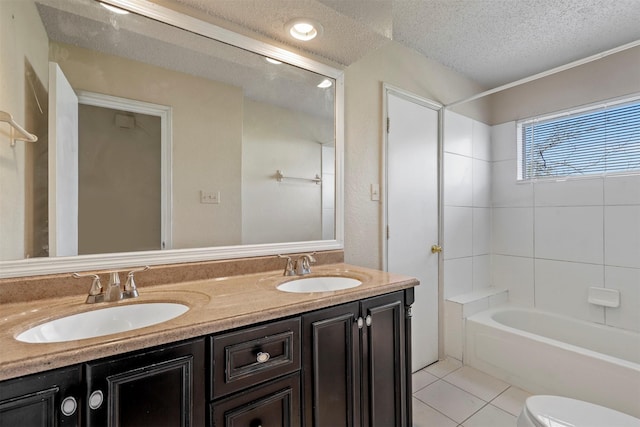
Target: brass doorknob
(436, 249)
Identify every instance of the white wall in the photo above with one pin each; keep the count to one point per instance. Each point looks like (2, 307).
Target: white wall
(22, 39)
(278, 139)
(207, 136)
(408, 70)
(467, 205)
(552, 240)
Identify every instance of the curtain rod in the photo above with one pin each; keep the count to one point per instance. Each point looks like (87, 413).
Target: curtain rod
(547, 73)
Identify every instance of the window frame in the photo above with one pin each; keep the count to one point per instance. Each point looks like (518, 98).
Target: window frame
(569, 112)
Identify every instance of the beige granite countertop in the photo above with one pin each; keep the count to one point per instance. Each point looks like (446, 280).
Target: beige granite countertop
(215, 305)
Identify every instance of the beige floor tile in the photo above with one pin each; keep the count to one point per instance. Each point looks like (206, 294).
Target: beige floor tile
(490, 416)
(451, 401)
(421, 379)
(512, 400)
(477, 383)
(443, 367)
(425, 416)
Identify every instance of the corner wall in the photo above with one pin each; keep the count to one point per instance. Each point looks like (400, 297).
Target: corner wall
(410, 71)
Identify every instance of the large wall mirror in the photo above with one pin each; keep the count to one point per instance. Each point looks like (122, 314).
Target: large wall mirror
(162, 138)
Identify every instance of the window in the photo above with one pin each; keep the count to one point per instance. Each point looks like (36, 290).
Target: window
(594, 140)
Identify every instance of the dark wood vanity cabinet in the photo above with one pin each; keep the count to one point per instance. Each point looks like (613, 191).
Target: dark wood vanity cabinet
(346, 365)
(160, 387)
(356, 369)
(255, 376)
(49, 399)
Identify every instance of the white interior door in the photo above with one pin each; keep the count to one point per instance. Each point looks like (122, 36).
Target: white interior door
(412, 212)
(63, 165)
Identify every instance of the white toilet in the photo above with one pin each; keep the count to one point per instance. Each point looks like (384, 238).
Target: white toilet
(557, 411)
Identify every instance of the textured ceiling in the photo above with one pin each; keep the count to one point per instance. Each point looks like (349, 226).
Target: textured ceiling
(491, 41)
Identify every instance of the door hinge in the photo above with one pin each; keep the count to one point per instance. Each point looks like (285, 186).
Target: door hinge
(387, 232)
(388, 124)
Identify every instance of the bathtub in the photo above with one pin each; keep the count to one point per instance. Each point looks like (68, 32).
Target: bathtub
(545, 353)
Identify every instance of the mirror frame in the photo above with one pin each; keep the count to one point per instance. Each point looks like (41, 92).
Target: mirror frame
(41, 266)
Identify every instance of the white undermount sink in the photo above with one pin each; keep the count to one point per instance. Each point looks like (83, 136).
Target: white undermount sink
(319, 284)
(104, 321)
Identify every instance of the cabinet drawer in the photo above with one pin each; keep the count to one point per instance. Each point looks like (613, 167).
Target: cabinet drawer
(275, 403)
(249, 356)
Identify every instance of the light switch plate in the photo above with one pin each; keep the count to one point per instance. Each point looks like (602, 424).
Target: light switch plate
(375, 192)
(210, 197)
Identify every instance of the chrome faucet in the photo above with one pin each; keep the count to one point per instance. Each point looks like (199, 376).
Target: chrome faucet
(303, 264)
(95, 292)
(113, 292)
(288, 268)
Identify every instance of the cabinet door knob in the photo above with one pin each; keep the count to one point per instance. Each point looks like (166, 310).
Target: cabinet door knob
(95, 399)
(368, 320)
(69, 406)
(263, 357)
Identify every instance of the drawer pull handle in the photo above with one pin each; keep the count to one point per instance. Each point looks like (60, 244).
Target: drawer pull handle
(69, 406)
(95, 399)
(263, 357)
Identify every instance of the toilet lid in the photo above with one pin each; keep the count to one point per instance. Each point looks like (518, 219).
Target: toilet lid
(556, 411)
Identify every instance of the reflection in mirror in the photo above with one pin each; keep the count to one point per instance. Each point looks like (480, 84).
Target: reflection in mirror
(162, 139)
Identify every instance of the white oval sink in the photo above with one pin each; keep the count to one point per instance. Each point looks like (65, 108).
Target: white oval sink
(319, 284)
(103, 321)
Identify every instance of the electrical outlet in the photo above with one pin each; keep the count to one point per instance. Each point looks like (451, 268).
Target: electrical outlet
(210, 197)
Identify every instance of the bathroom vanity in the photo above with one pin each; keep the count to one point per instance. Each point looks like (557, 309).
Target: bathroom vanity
(314, 359)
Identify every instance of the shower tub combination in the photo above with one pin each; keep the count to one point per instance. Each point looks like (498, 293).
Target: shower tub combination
(545, 353)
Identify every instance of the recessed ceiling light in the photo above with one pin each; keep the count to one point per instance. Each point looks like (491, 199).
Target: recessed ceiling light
(304, 29)
(273, 61)
(114, 9)
(325, 84)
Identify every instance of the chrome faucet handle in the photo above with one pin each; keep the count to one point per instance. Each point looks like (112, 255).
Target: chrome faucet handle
(95, 292)
(303, 263)
(288, 269)
(130, 289)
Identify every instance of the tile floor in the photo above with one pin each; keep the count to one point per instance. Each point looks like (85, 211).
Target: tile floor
(447, 394)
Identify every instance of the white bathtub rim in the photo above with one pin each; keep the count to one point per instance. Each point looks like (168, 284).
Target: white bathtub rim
(485, 317)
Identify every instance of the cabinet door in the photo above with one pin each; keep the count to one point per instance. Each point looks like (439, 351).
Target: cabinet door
(384, 369)
(42, 400)
(161, 387)
(274, 404)
(331, 367)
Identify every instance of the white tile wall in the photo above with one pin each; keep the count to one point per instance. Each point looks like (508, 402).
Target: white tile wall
(561, 287)
(481, 231)
(503, 146)
(580, 192)
(458, 276)
(458, 180)
(627, 281)
(481, 141)
(481, 272)
(622, 236)
(622, 190)
(551, 240)
(481, 183)
(513, 231)
(517, 275)
(569, 233)
(505, 190)
(458, 229)
(458, 134)
(467, 200)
